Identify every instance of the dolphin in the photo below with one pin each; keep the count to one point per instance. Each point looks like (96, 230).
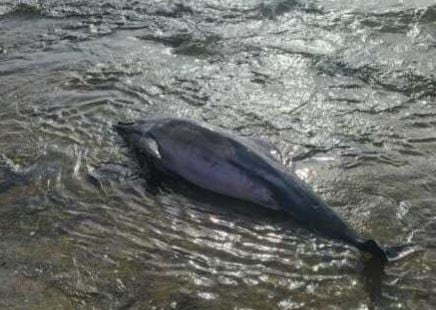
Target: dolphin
(241, 168)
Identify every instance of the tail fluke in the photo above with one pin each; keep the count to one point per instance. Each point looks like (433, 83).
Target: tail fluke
(396, 253)
(389, 254)
(374, 248)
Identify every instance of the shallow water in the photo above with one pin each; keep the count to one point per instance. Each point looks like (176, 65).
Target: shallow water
(344, 89)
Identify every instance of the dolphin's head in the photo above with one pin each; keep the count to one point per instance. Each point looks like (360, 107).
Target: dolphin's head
(123, 127)
(130, 132)
(138, 136)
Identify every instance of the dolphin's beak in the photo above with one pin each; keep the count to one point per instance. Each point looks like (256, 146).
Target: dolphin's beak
(124, 129)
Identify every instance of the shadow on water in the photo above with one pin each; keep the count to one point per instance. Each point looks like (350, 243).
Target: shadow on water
(373, 274)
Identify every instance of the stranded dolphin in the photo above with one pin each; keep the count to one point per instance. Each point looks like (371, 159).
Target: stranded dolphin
(240, 168)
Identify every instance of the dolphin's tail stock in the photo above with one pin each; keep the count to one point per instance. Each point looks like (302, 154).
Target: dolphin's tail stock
(387, 254)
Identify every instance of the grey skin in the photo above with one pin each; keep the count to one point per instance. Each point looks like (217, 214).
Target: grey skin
(241, 168)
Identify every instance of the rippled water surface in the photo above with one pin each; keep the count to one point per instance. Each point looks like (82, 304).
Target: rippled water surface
(344, 89)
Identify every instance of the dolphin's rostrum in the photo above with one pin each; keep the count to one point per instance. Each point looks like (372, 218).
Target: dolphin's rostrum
(241, 168)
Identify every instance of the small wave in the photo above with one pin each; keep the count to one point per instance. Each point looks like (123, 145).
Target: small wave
(24, 7)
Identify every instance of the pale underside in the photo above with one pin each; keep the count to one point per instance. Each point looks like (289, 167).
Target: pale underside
(208, 161)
